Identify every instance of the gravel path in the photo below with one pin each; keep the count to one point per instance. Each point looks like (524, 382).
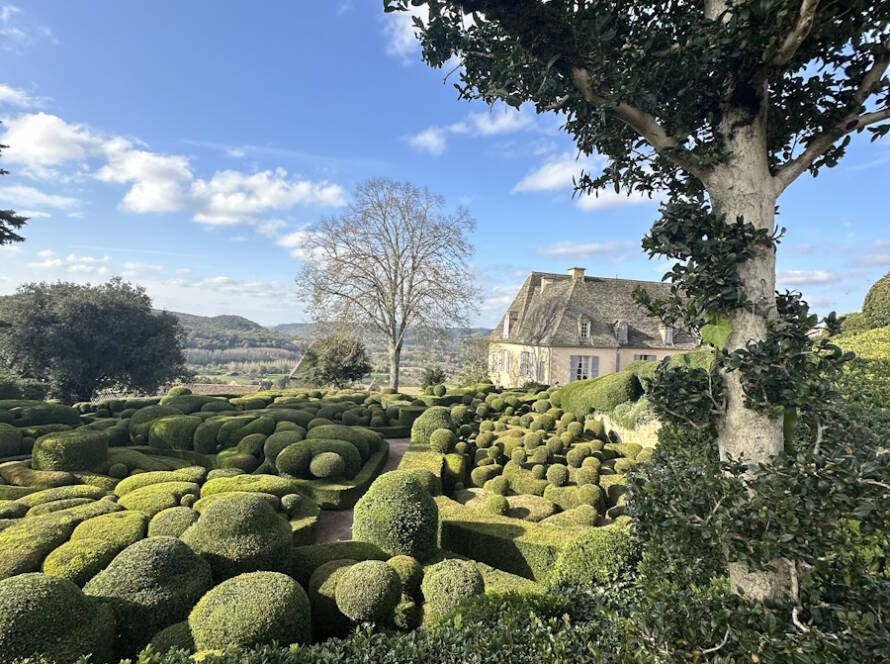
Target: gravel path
(335, 525)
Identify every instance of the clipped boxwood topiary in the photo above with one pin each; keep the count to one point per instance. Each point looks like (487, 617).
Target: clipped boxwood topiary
(241, 532)
(77, 449)
(172, 522)
(252, 609)
(876, 307)
(437, 417)
(446, 584)
(443, 440)
(398, 515)
(49, 619)
(557, 474)
(174, 432)
(327, 619)
(410, 573)
(596, 557)
(327, 465)
(368, 591)
(148, 586)
(80, 560)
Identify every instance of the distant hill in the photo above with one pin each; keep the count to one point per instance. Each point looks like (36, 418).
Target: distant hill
(299, 330)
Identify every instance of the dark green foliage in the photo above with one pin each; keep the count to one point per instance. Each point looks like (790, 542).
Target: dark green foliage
(174, 432)
(177, 636)
(601, 394)
(398, 515)
(496, 503)
(81, 339)
(365, 440)
(410, 573)
(557, 474)
(78, 449)
(10, 440)
(141, 421)
(436, 417)
(172, 522)
(334, 361)
(278, 441)
(252, 609)
(148, 586)
(368, 591)
(327, 465)
(876, 307)
(432, 376)
(306, 559)
(445, 585)
(597, 557)
(241, 532)
(51, 620)
(327, 619)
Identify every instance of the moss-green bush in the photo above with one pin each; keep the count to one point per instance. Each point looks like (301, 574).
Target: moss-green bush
(140, 422)
(448, 583)
(153, 498)
(876, 307)
(118, 528)
(497, 504)
(436, 417)
(177, 636)
(306, 559)
(368, 591)
(601, 394)
(365, 440)
(557, 474)
(35, 414)
(79, 560)
(271, 484)
(194, 474)
(174, 432)
(498, 485)
(598, 556)
(252, 609)
(77, 449)
(10, 440)
(172, 522)
(327, 619)
(443, 440)
(50, 620)
(327, 465)
(398, 515)
(410, 573)
(239, 533)
(294, 460)
(279, 440)
(150, 585)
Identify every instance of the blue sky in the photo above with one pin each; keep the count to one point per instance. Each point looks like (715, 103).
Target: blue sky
(187, 146)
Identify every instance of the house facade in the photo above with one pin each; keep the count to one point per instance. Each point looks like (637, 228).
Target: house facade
(563, 328)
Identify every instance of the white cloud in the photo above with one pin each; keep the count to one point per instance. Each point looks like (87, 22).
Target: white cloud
(41, 142)
(805, 277)
(182, 270)
(400, 31)
(880, 254)
(22, 98)
(71, 263)
(19, 196)
(158, 180)
(585, 250)
(431, 139)
(232, 197)
(558, 172)
(139, 266)
(10, 249)
(270, 227)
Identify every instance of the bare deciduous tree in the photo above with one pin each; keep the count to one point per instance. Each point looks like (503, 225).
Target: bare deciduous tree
(393, 261)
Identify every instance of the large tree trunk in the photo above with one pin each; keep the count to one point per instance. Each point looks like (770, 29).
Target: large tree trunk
(744, 188)
(395, 359)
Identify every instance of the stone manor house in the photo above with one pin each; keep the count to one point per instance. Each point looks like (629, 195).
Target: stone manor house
(563, 328)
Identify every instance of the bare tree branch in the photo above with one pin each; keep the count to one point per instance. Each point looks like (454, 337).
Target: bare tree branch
(799, 33)
(850, 122)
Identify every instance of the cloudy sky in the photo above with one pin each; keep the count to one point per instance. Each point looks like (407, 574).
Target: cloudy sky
(188, 146)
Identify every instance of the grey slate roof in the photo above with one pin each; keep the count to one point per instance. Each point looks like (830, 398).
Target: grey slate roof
(549, 316)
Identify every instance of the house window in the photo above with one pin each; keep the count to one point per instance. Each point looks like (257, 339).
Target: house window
(505, 362)
(583, 367)
(525, 365)
(622, 332)
(585, 329)
(644, 356)
(668, 336)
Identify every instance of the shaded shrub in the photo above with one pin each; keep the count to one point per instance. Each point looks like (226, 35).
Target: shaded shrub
(368, 591)
(78, 449)
(446, 584)
(436, 417)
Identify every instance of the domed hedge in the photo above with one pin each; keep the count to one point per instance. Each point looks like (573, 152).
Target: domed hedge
(443, 440)
(174, 432)
(79, 560)
(50, 618)
(598, 556)
(148, 586)
(241, 532)
(327, 465)
(446, 584)
(252, 609)
(77, 449)
(140, 422)
(398, 515)
(368, 591)
(437, 417)
(172, 522)
(876, 307)
(327, 619)
(410, 573)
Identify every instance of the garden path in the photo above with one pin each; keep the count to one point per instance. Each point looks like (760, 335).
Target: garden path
(335, 525)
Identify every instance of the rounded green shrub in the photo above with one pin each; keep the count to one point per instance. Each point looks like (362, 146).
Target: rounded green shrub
(252, 609)
(327, 465)
(141, 420)
(539, 471)
(398, 515)
(364, 440)
(443, 440)
(77, 449)
(279, 440)
(252, 444)
(598, 556)
(49, 619)
(439, 390)
(294, 459)
(174, 432)
(79, 560)
(460, 414)
(576, 455)
(10, 440)
(177, 636)
(448, 583)
(541, 406)
(543, 422)
(241, 532)
(172, 522)
(497, 504)
(368, 591)
(178, 391)
(410, 573)
(118, 528)
(327, 619)
(557, 474)
(498, 485)
(876, 307)
(485, 439)
(437, 417)
(148, 586)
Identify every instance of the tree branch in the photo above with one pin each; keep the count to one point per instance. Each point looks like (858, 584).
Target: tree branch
(638, 120)
(850, 122)
(798, 34)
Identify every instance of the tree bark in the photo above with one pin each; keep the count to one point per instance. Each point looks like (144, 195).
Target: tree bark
(395, 359)
(743, 187)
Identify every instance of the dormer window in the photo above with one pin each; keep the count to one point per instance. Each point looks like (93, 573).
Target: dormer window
(509, 322)
(585, 329)
(668, 335)
(622, 332)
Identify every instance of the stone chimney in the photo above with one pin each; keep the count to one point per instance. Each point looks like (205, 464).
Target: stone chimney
(576, 273)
